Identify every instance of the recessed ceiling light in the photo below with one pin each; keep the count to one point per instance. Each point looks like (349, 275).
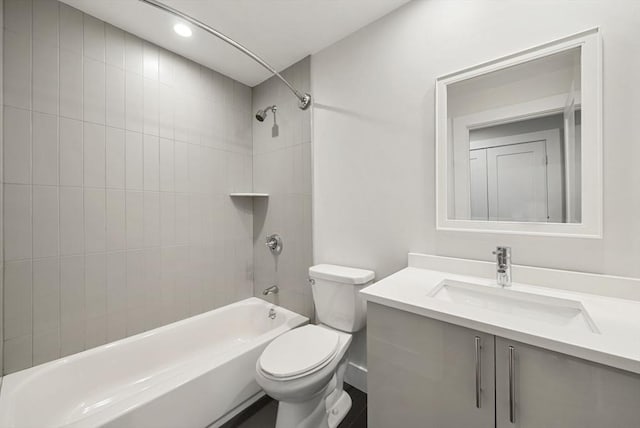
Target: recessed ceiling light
(182, 29)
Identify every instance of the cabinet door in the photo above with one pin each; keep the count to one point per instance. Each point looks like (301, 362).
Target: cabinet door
(422, 372)
(551, 390)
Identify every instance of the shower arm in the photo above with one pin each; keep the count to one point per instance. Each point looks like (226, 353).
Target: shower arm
(303, 99)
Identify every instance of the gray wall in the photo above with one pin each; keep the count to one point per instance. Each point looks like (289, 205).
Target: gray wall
(374, 181)
(118, 160)
(282, 168)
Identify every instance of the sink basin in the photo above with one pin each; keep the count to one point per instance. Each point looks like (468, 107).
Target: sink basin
(555, 311)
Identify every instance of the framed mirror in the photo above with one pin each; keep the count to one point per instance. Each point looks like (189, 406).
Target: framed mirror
(519, 142)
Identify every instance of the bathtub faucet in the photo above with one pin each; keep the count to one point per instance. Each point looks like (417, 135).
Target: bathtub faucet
(271, 290)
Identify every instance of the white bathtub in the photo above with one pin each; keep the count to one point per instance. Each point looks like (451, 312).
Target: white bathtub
(192, 373)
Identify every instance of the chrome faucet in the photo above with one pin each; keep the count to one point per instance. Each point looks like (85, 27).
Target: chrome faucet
(271, 290)
(503, 266)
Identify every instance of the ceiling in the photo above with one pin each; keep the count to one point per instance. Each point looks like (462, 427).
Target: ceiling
(280, 31)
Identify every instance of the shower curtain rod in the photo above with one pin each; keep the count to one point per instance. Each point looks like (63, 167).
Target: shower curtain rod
(304, 100)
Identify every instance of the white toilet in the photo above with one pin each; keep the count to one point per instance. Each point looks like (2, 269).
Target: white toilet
(304, 368)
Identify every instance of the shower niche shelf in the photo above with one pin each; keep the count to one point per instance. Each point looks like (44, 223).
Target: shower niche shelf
(248, 195)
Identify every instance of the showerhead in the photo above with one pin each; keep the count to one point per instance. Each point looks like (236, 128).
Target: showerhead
(261, 115)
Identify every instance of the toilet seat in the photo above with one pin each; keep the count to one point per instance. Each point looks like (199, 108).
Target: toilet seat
(299, 352)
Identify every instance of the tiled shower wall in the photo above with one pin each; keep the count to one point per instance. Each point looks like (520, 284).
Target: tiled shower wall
(118, 160)
(282, 168)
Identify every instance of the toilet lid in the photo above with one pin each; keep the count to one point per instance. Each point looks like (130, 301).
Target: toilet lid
(299, 351)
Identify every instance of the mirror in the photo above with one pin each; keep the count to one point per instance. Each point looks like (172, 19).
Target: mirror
(518, 142)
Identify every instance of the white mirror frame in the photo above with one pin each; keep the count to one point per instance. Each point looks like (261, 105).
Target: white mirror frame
(591, 137)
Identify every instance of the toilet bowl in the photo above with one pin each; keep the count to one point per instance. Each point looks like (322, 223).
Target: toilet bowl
(304, 368)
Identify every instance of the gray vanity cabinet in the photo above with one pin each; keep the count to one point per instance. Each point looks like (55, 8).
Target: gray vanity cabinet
(422, 372)
(553, 390)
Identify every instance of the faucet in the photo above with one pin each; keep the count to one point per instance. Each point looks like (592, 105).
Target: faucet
(270, 290)
(503, 266)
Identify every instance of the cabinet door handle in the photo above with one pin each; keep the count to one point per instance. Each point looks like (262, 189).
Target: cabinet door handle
(478, 371)
(512, 386)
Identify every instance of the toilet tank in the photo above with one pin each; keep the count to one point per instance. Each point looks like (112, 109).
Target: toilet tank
(336, 296)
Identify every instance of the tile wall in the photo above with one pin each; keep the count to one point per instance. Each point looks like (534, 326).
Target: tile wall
(117, 163)
(282, 168)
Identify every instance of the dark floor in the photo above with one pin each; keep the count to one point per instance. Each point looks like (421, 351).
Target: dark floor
(262, 414)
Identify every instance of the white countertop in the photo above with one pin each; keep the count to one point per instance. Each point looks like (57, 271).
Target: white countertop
(617, 344)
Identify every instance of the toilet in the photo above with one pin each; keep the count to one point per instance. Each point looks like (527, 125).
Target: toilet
(304, 368)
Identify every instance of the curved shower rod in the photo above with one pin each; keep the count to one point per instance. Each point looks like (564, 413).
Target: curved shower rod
(304, 100)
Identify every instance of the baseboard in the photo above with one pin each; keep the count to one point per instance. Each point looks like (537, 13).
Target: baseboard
(356, 376)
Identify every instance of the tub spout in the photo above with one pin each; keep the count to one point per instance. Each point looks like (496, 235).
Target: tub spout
(271, 290)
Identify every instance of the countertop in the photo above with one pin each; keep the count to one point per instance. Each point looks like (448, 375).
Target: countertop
(617, 344)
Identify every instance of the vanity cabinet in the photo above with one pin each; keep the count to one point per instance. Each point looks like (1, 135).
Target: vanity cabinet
(423, 373)
(552, 390)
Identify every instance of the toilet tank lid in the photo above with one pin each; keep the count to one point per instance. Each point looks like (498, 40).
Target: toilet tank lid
(343, 274)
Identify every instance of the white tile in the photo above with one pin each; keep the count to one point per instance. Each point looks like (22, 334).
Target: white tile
(195, 218)
(115, 164)
(151, 219)
(94, 220)
(45, 149)
(95, 285)
(71, 29)
(94, 91)
(150, 53)
(46, 294)
(45, 221)
(181, 172)
(116, 220)
(70, 152)
(151, 120)
(166, 165)
(72, 293)
(135, 219)
(46, 345)
(72, 335)
(114, 46)
(17, 69)
(94, 155)
(71, 221)
(45, 21)
(18, 294)
(94, 38)
(115, 104)
(135, 279)
(180, 116)
(165, 111)
(167, 219)
(96, 331)
(151, 163)
(165, 66)
(116, 283)
(195, 168)
(17, 222)
(17, 354)
(134, 104)
(45, 76)
(182, 219)
(71, 72)
(116, 326)
(72, 305)
(17, 15)
(17, 145)
(134, 161)
(133, 54)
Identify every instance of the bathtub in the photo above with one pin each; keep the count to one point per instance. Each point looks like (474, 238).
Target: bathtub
(192, 373)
